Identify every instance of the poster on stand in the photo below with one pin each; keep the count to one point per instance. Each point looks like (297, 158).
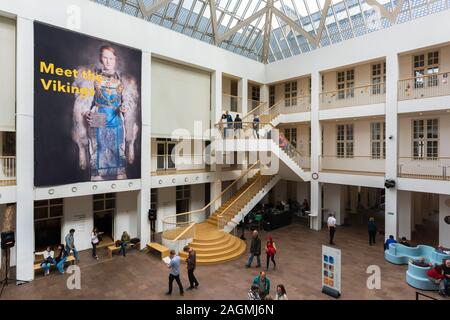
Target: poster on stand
(87, 108)
(331, 271)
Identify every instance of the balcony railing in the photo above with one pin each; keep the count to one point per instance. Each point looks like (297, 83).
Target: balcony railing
(424, 86)
(291, 105)
(356, 96)
(179, 164)
(352, 164)
(7, 171)
(430, 169)
(231, 102)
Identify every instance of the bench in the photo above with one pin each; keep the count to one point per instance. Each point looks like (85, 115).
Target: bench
(37, 266)
(160, 248)
(113, 248)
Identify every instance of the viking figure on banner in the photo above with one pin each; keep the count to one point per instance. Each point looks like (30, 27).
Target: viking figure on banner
(105, 125)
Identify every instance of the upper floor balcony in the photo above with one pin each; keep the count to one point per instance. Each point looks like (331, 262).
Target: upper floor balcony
(352, 164)
(353, 96)
(424, 86)
(7, 171)
(424, 168)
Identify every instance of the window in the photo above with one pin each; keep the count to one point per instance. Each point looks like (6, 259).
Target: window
(183, 192)
(344, 143)
(323, 82)
(426, 64)
(378, 140)
(291, 135)
(164, 148)
(345, 84)
(271, 96)
(234, 96)
(154, 199)
(379, 78)
(48, 209)
(104, 202)
(426, 139)
(290, 94)
(255, 93)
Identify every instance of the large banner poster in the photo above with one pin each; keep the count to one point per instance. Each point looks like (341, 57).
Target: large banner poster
(87, 108)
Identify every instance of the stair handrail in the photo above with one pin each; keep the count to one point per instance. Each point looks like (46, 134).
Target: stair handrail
(291, 147)
(220, 216)
(262, 104)
(192, 226)
(212, 201)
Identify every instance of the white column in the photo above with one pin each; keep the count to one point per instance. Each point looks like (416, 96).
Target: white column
(264, 93)
(24, 150)
(404, 214)
(391, 220)
(444, 227)
(316, 205)
(243, 93)
(216, 189)
(143, 197)
(216, 97)
(333, 201)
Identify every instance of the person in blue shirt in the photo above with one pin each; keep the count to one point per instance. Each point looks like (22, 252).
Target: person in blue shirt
(263, 284)
(70, 245)
(174, 274)
(389, 241)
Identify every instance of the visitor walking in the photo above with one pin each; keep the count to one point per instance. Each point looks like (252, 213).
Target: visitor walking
(70, 244)
(256, 126)
(372, 228)
(191, 264)
(174, 274)
(271, 249)
(255, 250)
(331, 223)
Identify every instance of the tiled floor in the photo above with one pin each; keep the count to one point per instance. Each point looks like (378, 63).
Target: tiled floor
(144, 276)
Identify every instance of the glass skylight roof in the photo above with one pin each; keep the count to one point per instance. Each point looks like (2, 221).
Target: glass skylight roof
(271, 30)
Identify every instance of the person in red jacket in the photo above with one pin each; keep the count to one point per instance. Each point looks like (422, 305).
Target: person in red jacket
(435, 274)
(271, 249)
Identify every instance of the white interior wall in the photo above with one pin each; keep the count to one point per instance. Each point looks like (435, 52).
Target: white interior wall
(166, 205)
(444, 228)
(362, 160)
(197, 200)
(7, 74)
(78, 215)
(405, 133)
(125, 218)
(333, 201)
(404, 204)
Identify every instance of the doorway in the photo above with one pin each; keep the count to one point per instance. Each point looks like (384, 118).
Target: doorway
(104, 209)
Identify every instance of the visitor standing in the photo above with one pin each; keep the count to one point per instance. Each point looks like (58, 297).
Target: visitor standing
(94, 242)
(263, 283)
(372, 228)
(191, 264)
(331, 223)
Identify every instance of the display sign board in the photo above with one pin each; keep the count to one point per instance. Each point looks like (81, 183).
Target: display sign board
(331, 271)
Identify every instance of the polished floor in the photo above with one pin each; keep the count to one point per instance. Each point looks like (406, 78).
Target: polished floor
(142, 275)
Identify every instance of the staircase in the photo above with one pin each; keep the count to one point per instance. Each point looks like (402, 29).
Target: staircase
(212, 241)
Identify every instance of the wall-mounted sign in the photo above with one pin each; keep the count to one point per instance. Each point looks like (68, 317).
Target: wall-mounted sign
(331, 271)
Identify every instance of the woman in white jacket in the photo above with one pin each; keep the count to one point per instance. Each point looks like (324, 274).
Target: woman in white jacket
(94, 242)
(281, 293)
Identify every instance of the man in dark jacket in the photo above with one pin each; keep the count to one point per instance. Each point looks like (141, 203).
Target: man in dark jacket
(191, 264)
(255, 250)
(372, 228)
